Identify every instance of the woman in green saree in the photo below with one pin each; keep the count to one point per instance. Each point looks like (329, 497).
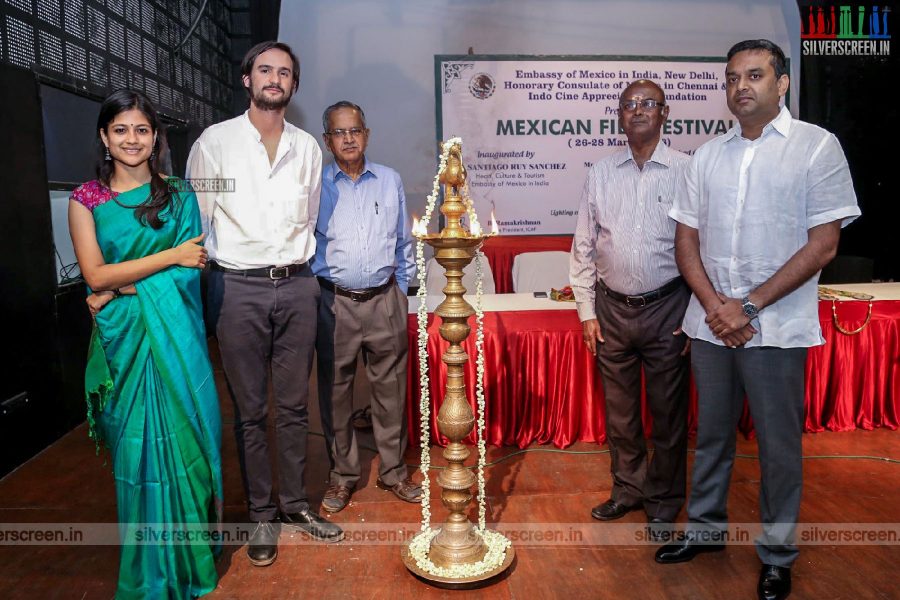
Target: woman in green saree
(150, 390)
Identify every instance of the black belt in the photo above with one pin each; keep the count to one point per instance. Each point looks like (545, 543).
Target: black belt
(273, 273)
(356, 295)
(639, 300)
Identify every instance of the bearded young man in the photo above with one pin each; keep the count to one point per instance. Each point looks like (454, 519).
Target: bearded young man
(263, 297)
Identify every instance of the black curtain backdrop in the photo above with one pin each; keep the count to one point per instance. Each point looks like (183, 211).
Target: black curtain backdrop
(36, 408)
(854, 97)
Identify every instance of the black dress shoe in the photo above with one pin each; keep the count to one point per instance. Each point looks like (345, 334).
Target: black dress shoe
(660, 530)
(314, 525)
(684, 551)
(774, 583)
(263, 546)
(611, 510)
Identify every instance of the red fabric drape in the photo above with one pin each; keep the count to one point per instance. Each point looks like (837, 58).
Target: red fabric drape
(501, 250)
(541, 385)
(853, 381)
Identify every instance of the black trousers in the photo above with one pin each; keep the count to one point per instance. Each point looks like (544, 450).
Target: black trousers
(264, 325)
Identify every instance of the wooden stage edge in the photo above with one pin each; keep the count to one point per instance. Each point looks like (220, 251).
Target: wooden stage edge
(547, 490)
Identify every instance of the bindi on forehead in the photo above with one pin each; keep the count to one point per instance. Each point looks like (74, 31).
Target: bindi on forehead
(130, 121)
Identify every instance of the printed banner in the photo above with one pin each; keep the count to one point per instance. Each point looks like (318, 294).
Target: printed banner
(533, 126)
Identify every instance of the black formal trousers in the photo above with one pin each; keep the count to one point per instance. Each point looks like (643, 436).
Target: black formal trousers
(267, 326)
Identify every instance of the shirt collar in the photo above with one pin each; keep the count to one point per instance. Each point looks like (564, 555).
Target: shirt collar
(660, 155)
(335, 171)
(781, 123)
(288, 128)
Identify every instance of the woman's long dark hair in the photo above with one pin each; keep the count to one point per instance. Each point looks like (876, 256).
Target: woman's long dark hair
(160, 194)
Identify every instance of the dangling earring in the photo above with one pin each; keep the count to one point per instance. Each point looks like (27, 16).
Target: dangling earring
(107, 157)
(153, 155)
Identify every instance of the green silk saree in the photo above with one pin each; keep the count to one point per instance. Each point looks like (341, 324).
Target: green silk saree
(152, 401)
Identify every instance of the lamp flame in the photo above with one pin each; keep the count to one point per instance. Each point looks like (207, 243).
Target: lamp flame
(419, 228)
(475, 228)
(495, 229)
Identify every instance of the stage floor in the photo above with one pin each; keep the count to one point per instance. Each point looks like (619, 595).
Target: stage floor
(552, 489)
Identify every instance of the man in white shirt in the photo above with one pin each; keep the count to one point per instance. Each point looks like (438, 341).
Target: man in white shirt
(631, 300)
(262, 295)
(759, 215)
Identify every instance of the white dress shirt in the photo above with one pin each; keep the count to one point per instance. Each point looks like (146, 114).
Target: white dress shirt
(623, 234)
(270, 216)
(753, 202)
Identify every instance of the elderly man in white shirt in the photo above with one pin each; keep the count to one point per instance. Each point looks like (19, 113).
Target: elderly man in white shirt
(262, 294)
(759, 215)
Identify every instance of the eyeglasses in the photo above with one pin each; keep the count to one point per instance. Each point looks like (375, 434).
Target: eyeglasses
(646, 104)
(354, 133)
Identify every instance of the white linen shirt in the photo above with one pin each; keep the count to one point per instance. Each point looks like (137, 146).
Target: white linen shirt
(753, 202)
(270, 216)
(623, 234)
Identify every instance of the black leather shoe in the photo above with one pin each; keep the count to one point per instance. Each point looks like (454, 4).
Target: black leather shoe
(611, 510)
(774, 583)
(311, 523)
(263, 546)
(660, 530)
(684, 551)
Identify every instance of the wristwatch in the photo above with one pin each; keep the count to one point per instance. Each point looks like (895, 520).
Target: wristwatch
(749, 308)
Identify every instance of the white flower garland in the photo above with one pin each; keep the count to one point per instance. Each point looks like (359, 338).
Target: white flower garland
(496, 544)
(422, 339)
(479, 387)
(420, 545)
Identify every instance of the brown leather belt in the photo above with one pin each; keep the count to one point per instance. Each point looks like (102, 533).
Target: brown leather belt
(641, 300)
(273, 273)
(356, 295)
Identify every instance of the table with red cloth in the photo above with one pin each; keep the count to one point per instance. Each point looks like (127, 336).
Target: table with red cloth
(541, 385)
(502, 250)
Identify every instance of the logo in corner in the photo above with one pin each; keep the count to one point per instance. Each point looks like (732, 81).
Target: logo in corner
(482, 86)
(831, 29)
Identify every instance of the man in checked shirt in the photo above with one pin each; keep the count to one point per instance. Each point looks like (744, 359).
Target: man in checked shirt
(631, 301)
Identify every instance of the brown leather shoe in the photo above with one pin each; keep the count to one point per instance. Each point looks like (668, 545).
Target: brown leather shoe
(336, 498)
(407, 490)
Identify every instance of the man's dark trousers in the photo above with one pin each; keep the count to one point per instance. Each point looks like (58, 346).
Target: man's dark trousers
(773, 380)
(637, 336)
(264, 324)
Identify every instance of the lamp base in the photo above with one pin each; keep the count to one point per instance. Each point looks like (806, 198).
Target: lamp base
(474, 581)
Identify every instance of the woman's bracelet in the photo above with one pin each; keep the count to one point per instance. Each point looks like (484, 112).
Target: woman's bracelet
(116, 293)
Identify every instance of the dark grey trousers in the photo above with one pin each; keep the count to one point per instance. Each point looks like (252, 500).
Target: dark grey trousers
(378, 328)
(636, 338)
(773, 381)
(262, 326)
